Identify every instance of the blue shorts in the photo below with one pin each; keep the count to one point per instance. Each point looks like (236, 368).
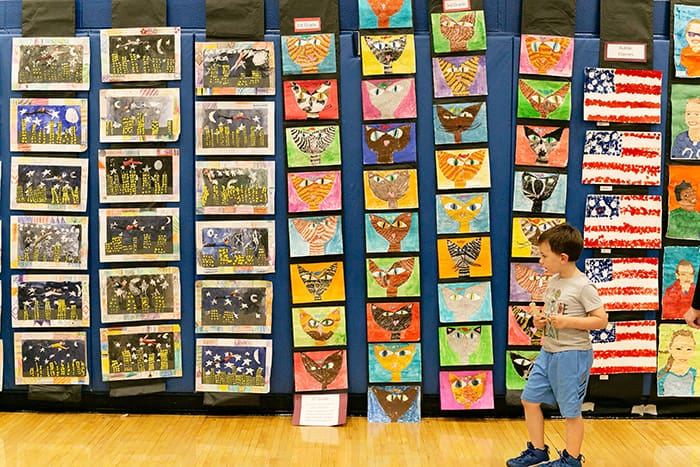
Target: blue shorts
(560, 378)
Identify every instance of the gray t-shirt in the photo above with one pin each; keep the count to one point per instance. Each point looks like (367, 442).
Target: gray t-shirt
(574, 296)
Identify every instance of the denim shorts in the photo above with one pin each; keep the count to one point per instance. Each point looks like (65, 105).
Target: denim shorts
(560, 378)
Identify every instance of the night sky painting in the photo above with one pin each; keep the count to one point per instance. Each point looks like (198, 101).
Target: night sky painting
(235, 246)
(50, 63)
(139, 175)
(233, 306)
(140, 294)
(233, 365)
(132, 234)
(235, 187)
(50, 301)
(234, 68)
(51, 358)
(44, 242)
(229, 127)
(51, 125)
(139, 115)
(141, 352)
(140, 54)
(49, 184)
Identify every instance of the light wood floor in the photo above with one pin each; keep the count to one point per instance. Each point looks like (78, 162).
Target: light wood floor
(163, 440)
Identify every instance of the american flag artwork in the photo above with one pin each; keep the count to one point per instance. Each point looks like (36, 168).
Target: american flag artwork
(624, 347)
(622, 96)
(622, 158)
(626, 284)
(622, 221)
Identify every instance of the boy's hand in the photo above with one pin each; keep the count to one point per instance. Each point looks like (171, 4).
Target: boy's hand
(540, 319)
(559, 321)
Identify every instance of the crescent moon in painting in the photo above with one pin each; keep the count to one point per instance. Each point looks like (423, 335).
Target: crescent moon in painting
(211, 119)
(169, 220)
(117, 104)
(159, 47)
(80, 290)
(256, 356)
(254, 298)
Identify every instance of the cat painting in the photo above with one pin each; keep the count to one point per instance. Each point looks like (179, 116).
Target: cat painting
(460, 123)
(386, 140)
(320, 328)
(313, 141)
(529, 229)
(393, 231)
(525, 332)
(307, 52)
(387, 14)
(316, 232)
(327, 369)
(314, 191)
(388, 99)
(311, 99)
(538, 188)
(546, 55)
(542, 145)
(387, 50)
(463, 341)
(460, 167)
(396, 402)
(458, 31)
(528, 282)
(395, 188)
(392, 319)
(317, 282)
(467, 389)
(544, 99)
(462, 302)
(464, 256)
(459, 76)
(395, 359)
(392, 277)
(462, 213)
(546, 146)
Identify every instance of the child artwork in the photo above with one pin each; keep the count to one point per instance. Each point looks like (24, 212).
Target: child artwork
(393, 321)
(460, 31)
(622, 158)
(235, 307)
(51, 358)
(234, 68)
(464, 257)
(317, 282)
(139, 234)
(233, 365)
(389, 143)
(235, 127)
(546, 55)
(544, 99)
(315, 236)
(308, 54)
(528, 282)
(460, 122)
(50, 63)
(466, 390)
(679, 279)
(393, 277)
(139, 294)
(459, 76)
(461, 302)
(311, 99)
(388, 54)
(139, 115)
(683, 207)
(50, 300)
(462, 213)
(463, 168)
(611, 220)
(678, 361)
(388, 99)
(235, 247)
(319, 326)
(313, 145)
(526, 233)
(320, 370)
(521, 325)
(48, 184)
(685, 35)
(622, 96)
(391, 232)
(381, 14)
(391, 189)
(685, 117)
(394, 362)
(519, 364)
(314, 191)
(139, 175)
(624, 347)
(43, 124)
(625, 284)
(140, 54)
(465, 345)
(394, 404)
(546, 146)
(141, 352)
(235, 187)
(48, 242)
(539, 192)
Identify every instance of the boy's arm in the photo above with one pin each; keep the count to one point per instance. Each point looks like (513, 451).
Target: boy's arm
(596, 319)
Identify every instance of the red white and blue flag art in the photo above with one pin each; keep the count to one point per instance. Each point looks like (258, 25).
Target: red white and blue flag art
(622, 96)
(622, 221)
(626, 284)
(624, 347)
(622, 158)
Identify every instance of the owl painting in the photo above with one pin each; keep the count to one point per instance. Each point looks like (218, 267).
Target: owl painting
(320, 370)
(460, 302)
(393, 277)
(457, 123)
(396, 404)
(394, 362)
(466, 390)
(393, 321)
(462, 213)
(459, 76)
(391, 189)
(388, 54)
(546, 55)
(388, 99)
(539, 192)
(308, 54)
(458, 31)
(389, 143)
(312, 146)
(311, 99)
(544, 99)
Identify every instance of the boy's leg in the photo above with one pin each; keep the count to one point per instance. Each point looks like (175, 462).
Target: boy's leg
(534, 419)
(574, 435)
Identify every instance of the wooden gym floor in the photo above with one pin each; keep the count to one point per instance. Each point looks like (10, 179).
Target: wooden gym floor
(195, 440)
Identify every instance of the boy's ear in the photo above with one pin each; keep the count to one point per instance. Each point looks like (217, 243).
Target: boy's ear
(564, 258)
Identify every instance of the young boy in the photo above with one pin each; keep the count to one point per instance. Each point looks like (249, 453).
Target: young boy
(560, 375)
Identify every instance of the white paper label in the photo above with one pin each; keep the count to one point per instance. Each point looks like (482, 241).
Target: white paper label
(319, 409)
(307, 24)
(625, 52)
(455, 5)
